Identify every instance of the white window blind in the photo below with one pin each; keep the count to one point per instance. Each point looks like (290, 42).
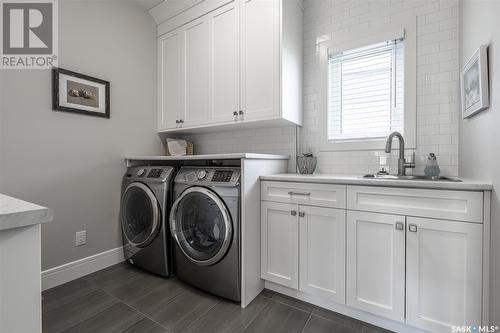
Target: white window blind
(366, 92)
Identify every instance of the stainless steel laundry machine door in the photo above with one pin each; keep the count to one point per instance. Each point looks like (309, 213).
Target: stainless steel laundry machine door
(140, 215)
(201, 225)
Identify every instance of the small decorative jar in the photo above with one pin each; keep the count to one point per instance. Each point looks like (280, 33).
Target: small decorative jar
(306, 164)
(432, 167)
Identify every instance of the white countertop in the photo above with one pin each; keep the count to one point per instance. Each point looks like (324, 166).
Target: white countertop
(464, 185)
(16, 213)
(231, 156)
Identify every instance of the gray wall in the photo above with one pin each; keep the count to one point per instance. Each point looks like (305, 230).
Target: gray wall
(1, 127)
(479, 140)
(74, 163)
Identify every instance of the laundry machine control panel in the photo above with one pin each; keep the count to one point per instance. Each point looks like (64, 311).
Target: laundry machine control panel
(149, 173)
(224, 176)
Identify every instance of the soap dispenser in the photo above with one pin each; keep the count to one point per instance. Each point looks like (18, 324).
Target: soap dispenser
(432, 167)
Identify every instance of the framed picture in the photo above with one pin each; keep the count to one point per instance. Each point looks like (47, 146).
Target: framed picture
(474, 79)
(74, 92)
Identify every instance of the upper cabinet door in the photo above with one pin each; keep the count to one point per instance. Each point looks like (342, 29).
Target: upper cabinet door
(224, 63)
(196, 69)
(376, 263)
(260, 63)
(322, 252)
(443, 274)
(279, 243)
(170, 79)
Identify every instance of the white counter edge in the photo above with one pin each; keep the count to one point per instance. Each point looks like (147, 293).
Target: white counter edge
(464, 185)
(16, 213)
(209, 157)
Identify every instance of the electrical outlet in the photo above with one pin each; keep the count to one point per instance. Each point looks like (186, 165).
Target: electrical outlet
(81, 238)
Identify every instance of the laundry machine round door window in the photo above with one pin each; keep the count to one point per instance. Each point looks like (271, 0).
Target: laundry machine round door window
(140, 214)
(201, 225)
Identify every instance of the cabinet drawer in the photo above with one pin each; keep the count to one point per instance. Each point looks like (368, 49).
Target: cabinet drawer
(450, 205)
(325, 195)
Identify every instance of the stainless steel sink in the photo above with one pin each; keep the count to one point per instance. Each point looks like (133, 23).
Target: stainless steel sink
(418, 178)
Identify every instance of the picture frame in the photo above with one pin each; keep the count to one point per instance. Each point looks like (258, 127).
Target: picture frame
(79, 93)
(474, 83)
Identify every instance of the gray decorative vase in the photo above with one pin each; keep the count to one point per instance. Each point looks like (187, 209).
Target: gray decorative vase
(306, 164)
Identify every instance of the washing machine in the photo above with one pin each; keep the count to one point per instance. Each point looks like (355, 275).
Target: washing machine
(205, 225)
(144, 213)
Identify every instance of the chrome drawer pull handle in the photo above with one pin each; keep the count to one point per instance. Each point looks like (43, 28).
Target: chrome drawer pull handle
(293, 212)
(302, 214)
(299, 193)
(400, 226)
(412, 228)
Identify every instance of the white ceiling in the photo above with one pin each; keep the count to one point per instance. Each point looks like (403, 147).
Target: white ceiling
(148, 4)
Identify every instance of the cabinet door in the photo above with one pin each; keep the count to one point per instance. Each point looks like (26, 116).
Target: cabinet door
(279, 243)
(260, 67)
(224, 63)
(196, 69)
(170, 79)
(322, 252)
(376, 263)
(444, 265)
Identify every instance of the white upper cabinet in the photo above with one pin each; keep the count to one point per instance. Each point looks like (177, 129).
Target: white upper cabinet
(376, 263)
(236, 62)
(224, 63)
(170, 79)
(196, 69)
(444, 272)
(260, 69)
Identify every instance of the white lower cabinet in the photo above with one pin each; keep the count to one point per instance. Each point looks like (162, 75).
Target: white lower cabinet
(376, 263)
(322, 252)
(444, 274)
(319, 246)
(420, 272)
(280, 243)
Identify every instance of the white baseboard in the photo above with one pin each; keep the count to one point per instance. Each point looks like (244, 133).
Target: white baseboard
(56, 276)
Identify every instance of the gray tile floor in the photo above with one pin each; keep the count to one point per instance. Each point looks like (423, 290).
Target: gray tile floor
(123, 298)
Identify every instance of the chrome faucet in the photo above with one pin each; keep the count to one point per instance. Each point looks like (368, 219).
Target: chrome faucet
(402, 164)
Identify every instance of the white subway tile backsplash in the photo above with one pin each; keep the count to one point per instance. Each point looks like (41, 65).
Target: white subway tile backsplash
(437, 88)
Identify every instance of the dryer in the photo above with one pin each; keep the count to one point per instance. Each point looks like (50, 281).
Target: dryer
(205, 225)
(144, 212)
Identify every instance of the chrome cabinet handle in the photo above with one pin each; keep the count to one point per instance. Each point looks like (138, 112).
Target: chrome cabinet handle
(177, 121)
(241, 115)
(299, 193)
(400, 226)
(302, 214)
(412, 228)
(235, 115)
(293, 212)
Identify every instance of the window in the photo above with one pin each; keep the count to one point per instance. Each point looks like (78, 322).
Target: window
(366, 94)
